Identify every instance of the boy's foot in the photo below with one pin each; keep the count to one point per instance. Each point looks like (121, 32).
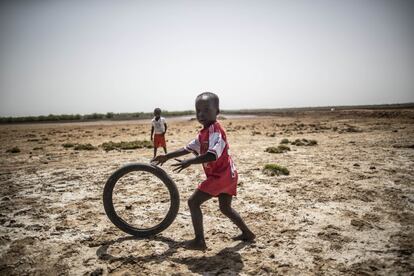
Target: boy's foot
(245, 237)
(196, 245)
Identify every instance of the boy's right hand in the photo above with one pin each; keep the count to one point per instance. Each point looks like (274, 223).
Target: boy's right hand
(159, 160)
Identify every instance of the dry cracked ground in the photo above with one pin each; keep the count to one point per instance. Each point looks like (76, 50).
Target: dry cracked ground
(346, 207)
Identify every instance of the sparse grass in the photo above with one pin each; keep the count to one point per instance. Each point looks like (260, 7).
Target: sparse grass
(68, 145)
(304, 142)
(298, 142)
(13, 150)
(275, 169)
(84, 147)
(351, 128)
(404, 146)
(272, 150)
(108, 146)
(283, 147)
(285, 141)
(278, 149)
(76, 146)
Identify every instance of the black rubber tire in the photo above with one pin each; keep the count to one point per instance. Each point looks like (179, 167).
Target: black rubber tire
(123, 225)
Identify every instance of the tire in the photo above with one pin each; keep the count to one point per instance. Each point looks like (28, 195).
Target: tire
(122, 224)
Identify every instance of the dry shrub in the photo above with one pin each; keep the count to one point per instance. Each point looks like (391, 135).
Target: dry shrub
(137, 144)
(275, 169)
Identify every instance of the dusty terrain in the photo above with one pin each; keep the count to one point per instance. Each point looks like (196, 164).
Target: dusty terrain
(347, 206)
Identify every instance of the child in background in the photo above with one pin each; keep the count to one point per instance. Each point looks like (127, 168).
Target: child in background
(158, 130)
(211, 150)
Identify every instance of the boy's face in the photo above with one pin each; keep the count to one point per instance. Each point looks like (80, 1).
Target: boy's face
(157, 113)
(206, 111)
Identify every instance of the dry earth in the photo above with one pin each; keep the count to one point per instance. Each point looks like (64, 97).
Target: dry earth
(346, 208)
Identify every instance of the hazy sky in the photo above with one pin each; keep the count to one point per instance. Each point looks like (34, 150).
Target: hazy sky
(127, 56)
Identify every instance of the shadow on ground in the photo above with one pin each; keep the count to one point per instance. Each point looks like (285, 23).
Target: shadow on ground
(226, 261)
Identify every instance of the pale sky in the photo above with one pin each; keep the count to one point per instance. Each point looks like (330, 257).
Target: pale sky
(68, 57)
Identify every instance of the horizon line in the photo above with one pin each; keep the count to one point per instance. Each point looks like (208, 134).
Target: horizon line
(405, 104)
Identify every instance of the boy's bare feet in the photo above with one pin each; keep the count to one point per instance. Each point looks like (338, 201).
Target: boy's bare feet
(196, 245)
(245, 236)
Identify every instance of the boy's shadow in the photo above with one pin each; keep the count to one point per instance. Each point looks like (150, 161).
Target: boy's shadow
(228, 260)
(102, 251)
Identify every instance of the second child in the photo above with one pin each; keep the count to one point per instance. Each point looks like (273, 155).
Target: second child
(158, 130)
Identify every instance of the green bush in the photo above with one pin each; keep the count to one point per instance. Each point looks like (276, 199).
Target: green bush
(285, 141)
(108, 146)
(275, 169)
(84, 147)
(68, 145)
(283, 148)
(304, 142)
(298, 142)
(278, 149)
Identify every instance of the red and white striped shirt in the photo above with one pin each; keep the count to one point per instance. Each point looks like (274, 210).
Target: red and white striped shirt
(221, 171)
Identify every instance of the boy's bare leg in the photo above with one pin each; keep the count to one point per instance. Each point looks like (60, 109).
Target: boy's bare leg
(225, 208)
(165, 150)
(155, 152)
(194, 202)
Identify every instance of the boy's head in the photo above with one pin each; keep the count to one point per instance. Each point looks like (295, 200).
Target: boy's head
(207, 108)
(157, 112)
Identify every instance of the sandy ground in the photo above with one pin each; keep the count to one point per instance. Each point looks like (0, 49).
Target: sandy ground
(346, 208)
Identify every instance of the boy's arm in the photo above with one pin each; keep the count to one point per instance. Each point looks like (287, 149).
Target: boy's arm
(161, 159)
(205, 158)
(152, 131)
(165, 128)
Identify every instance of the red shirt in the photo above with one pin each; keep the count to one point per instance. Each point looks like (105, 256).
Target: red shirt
(221, 173)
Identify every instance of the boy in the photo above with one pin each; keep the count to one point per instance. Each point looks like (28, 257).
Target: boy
(158, 130)
(211, 150)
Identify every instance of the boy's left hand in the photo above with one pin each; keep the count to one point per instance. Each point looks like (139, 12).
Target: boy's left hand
(181, 165)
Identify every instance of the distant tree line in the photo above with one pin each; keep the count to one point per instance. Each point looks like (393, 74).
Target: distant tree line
(90, 117)
(165, 113)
